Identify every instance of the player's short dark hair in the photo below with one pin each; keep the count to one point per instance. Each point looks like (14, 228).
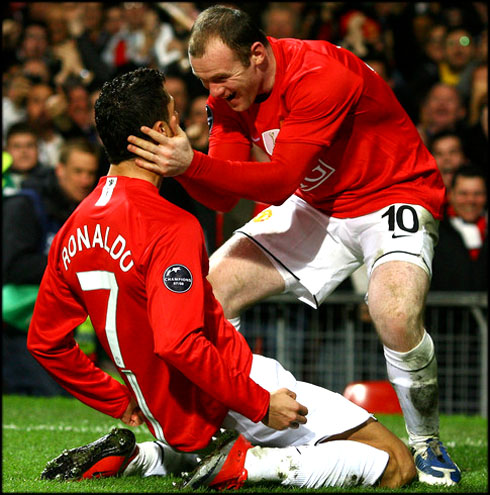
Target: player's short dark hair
(234, 27)
(126, 103)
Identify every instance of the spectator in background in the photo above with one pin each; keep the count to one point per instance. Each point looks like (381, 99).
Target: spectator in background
(34, 43)
(57, 23)
(169, 50)
(36, 70)
(360, 32)
(171, 45)
(113, 19)
(319, 21)
(426, 72)
(177, 87)
(31, 218)
(196, 124)
(137, 35)
(91, 44)
(447, 149)
(72, 111)
(280, 20)
(14, 97)
(459, 61)
(441, 110)
(180, 16)
(71, 64)
(460, 257)
(11, 36)
(114, 54)
(39, 118)
(22, 145)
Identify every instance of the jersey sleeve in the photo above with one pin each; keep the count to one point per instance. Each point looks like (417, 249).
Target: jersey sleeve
(50, 340)
(267, 182)
(185, 336)
(211, 197)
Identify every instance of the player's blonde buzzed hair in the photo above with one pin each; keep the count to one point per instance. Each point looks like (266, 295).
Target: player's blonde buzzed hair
(234, 27)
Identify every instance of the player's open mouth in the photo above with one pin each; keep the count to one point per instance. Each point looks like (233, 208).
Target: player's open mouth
(231, 96)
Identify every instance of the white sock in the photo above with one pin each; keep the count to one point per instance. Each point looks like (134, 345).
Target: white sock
(235, 322)
(338, 463)
(413, 374)
(158, 459)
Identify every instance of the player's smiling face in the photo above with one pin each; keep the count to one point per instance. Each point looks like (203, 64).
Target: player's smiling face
(224, 75)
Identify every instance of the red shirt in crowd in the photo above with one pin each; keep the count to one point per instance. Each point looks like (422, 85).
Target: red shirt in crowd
(137, 265)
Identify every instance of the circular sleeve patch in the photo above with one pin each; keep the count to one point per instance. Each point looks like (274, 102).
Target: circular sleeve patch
(209, 113)
(177, 278)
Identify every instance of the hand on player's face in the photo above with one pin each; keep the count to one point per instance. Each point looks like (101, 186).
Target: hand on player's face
(168, 153)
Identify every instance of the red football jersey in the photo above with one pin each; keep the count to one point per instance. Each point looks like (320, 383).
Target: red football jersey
(336, 135)
(137, 265)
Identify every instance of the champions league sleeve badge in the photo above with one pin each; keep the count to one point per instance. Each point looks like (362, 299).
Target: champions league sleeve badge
(209, 113)
(177, 278)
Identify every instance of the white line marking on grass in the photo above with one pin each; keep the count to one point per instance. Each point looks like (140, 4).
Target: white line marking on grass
(75, 429)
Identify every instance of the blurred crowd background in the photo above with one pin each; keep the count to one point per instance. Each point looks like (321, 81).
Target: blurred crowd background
(57, 55)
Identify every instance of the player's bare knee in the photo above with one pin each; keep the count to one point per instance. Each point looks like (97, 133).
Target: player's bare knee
(399, 330)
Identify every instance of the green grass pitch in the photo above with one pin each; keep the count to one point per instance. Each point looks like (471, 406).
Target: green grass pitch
(37, 429)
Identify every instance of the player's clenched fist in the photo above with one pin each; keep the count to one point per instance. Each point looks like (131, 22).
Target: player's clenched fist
(284, 411)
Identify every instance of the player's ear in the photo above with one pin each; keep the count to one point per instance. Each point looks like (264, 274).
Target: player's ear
(163, 128)
(257, 53)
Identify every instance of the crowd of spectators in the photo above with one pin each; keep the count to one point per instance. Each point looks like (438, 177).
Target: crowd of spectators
(57, 55)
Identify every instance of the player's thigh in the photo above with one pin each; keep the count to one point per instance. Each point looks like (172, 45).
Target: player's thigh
(304, 245)
(329, 413)
(241, 274)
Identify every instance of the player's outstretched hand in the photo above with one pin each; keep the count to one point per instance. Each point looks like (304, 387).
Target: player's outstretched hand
(133, 415)
(284, 411)
(163, 155)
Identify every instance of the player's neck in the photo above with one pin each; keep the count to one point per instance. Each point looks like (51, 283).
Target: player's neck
(269, 73)
(129, 169)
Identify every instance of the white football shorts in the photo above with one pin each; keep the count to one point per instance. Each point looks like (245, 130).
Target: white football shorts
(314, 252)
(329, 413)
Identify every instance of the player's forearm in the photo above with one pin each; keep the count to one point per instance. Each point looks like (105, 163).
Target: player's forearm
(78, 375)
(206, 195)
(270, 182)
